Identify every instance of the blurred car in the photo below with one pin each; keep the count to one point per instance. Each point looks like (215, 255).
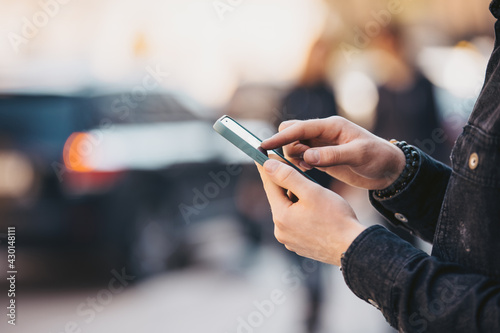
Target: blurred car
(33, 131)
(118, 178)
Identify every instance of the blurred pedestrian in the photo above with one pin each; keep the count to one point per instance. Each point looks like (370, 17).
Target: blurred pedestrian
(312, 98)
(406, 108)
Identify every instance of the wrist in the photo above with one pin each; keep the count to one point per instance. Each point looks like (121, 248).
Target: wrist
(411, 162)
(397, 159)
(350, 235)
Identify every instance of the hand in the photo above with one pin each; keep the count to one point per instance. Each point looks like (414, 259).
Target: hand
(317, 224)
(342, 149)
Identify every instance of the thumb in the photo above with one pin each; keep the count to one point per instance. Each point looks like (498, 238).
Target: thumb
(288, 178)
(347, 153)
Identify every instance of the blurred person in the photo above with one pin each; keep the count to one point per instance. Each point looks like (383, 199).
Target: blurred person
(457, 288)
(406, 108)
(312, 97)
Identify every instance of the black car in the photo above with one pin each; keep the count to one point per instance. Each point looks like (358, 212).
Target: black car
(119, 182)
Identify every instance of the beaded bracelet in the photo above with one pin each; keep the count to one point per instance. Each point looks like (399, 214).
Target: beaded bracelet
(412, 162)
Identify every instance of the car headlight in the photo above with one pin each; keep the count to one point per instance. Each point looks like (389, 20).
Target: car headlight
(17, 175)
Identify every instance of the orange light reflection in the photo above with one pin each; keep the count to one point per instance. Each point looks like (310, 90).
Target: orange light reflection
(77, 148)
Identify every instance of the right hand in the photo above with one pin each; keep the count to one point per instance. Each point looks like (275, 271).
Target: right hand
(340, 148)
(319, 224)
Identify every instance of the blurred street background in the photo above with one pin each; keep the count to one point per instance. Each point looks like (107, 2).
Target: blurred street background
(132, 215)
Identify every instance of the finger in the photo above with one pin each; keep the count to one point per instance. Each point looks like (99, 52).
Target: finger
(295, 153)
(304, 130)
(286, 177)
(287, 124)
(349, 153)
(295, 150)
(286, 135)
(276, 195)
(296, 161)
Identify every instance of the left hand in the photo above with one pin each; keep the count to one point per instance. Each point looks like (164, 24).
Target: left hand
(320, 225)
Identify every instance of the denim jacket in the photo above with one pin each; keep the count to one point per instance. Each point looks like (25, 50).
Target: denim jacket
(457, 288)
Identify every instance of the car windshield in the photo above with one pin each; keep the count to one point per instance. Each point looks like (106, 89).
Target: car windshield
(40, 118)
(155, 108)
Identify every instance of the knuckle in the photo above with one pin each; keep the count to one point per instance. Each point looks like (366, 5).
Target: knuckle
(363, 150)
(335, 121)
(293, 150)
(313, 195)
(285, 124)
(278, 235)
(288, 150)
(284, 174)
(330, 155)
(279, 220)
(343, 121)
(338, 120)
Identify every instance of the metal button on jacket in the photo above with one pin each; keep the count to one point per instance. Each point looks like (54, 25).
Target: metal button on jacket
(401, 217)
(473, 161)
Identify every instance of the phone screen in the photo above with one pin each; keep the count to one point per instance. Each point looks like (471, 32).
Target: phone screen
(242, 133)
(247, 136)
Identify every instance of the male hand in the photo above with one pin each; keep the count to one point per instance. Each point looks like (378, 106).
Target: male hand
(317, 224)
(342, 149)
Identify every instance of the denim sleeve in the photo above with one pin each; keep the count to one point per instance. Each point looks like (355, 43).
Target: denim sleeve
(417, 292)
(417, 207)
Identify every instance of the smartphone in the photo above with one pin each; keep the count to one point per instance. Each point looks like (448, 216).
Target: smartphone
(247, 142)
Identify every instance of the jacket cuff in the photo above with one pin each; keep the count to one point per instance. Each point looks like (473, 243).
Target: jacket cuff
(407, 209)
(372, 264)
